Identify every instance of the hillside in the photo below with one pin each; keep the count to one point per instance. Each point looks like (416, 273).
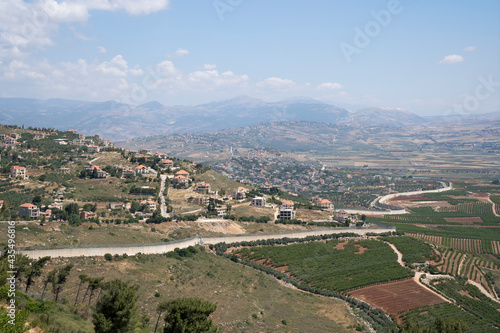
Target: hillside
(118, 121)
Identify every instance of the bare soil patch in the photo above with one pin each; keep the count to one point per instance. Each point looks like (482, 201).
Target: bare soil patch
(282, 269)
(480, 195)
(464, 220)
(341, 246)
(466, 293)
(408, 197)
(361, 249)
(397, 297)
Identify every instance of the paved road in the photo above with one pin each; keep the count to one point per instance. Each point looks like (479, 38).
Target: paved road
(158, 248)
(394, 195)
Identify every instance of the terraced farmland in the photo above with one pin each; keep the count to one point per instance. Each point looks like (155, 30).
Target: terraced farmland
(466, 264)
(469, 208)
(462, 244)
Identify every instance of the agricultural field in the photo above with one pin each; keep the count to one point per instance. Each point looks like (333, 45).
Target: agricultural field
(491, 233)
(496, 200)
(462, 244)
(413, 250)
(457, 263)
(332, 265)
(397, 297)
(474, 309)
(477, 213)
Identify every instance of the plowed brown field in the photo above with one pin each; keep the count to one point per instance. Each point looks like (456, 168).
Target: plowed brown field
(396, 297)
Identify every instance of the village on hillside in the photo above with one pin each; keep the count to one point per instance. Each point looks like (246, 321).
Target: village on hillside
(51, 175)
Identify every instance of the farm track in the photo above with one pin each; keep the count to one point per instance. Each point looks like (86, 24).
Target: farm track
(494, 207)
(397, 297)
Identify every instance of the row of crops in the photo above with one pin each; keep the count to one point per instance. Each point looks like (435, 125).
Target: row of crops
(426, 215)
(323, 266)
(462, 244)
(471, 209)
(458, 263)
(480, 315)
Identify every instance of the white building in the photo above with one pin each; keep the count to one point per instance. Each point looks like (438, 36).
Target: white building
(259, 201)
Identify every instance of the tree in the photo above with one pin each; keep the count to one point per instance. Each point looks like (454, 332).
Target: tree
(72, 208)
(83, 278)
(60, 280)
(34, 271)
(37, 199)
(116, 308)
(161, 308)
(211, 206)
(189, 315)
(94, 283)
(134, 207)
(49, 279)
(22, 263)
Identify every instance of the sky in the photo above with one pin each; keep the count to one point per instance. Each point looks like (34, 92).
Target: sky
(427, 57)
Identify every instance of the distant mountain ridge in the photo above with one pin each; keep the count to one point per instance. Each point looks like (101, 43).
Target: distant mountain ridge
(118, 121)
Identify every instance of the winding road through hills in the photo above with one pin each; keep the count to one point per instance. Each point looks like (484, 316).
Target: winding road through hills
(387, 197)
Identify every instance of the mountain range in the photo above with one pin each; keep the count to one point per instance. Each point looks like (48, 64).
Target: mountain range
(117, 121)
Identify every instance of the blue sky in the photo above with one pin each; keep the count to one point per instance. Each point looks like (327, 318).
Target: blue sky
(421, 56)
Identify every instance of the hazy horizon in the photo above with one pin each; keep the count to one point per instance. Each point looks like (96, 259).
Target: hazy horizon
(427, 58)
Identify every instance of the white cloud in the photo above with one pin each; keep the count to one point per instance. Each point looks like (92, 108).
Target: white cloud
(209, 66)
(101, 49)
(276, 83)
(24, 25)
(452, 59)
(179, 53)
(470, 48)
(112, 79)
(330, 86)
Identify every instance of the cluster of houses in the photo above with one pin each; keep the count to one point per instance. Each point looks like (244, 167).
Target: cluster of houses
(33, 212)
(10, 139)
(84, 140)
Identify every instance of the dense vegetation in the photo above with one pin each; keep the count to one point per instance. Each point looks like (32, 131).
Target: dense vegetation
(480, 315)
(413, 250)
(325, 267)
